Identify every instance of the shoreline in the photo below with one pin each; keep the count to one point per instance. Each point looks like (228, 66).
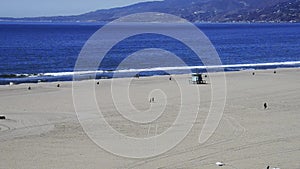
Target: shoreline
(8, 82)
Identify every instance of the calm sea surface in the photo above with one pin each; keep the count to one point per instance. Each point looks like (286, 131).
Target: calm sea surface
(30, 52)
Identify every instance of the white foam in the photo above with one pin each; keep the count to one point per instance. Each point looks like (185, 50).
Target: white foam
(244, 66)
(71, 73)
(209, 67)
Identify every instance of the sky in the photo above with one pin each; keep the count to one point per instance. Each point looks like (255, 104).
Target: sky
(32, 8)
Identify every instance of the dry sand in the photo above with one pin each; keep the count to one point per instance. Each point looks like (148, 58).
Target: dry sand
(42, 129)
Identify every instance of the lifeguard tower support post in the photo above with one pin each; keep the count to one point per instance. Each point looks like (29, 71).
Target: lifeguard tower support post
(197, 79)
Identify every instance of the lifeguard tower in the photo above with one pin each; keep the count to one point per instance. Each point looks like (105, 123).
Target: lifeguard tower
(197, 79)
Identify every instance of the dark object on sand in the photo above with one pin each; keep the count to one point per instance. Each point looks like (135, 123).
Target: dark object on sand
(58, 85)
(205, 75)
(197, 79)
(220, 164)
(2, 117)
(253, 73)
(265, 105)
(29, 88)
(268, 167)
(170, 78)
(152, 99)
(275, 72)
(137, 76)
(98, 83)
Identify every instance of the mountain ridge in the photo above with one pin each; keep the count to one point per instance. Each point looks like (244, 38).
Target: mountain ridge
(194, 11)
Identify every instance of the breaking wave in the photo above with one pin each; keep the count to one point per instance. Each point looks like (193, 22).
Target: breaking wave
(67, 76)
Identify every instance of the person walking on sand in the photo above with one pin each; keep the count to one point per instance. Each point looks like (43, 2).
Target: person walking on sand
(265, 105)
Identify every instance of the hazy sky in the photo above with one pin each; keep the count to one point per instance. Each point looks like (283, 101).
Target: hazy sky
(27, 8)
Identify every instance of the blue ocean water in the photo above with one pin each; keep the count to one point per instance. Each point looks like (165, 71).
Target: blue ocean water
(48, 51)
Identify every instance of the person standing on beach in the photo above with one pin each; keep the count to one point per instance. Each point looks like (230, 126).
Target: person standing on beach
(265, 105)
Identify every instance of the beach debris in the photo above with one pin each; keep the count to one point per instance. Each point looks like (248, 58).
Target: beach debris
(205, 76)
(275, 72)
(265, 105)
(152, 99)
(268, 167)
(253, 73)
(98, 83)
(58, 85)
(11, 83)
(2, 117)
(170, 78)
(29, 88)
(220, 164)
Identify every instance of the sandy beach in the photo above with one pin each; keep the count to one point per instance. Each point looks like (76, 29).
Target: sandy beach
(42, 130)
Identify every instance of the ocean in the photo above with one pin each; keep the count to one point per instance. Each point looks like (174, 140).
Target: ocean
(32, 52)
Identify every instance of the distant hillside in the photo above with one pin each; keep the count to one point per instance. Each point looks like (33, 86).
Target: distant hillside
(196, 11)
(281, 12)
